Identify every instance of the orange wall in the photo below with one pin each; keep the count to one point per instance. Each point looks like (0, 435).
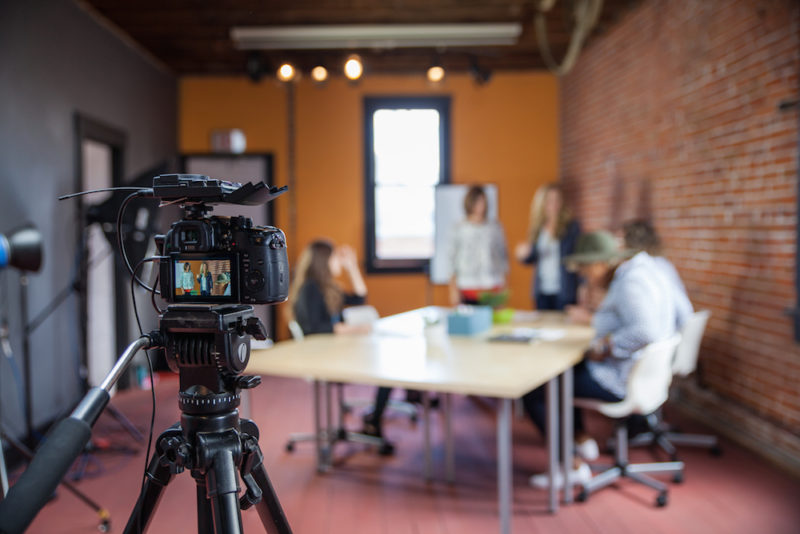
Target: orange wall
(505, 132)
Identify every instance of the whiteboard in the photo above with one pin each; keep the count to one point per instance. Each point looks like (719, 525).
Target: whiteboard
(449, 211)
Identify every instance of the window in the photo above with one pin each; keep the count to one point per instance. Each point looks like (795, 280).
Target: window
(407, 156)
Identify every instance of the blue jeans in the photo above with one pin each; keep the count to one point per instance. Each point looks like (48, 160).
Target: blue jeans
(584, 386)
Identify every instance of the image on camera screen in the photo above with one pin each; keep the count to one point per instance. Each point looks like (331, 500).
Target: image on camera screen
(202, 277)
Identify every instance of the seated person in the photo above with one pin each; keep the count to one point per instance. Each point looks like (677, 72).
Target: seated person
(638, 310)
(317, 301)
(640, 235)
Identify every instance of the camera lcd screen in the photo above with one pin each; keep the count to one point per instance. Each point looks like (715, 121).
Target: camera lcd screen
(203, 279)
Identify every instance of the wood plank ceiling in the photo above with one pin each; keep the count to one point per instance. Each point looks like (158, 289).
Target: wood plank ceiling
(193, 36)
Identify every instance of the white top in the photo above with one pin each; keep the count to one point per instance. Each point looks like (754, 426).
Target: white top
(478, 255)
(549, 264)
(638, 309)
(683, 306)
(187, 280)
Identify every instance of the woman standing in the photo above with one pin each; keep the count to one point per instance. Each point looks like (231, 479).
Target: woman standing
(478, 255)
(205, 280)
(552, 235)
(187, 279)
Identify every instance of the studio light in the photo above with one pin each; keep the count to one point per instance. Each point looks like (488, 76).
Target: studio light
(319, 74)
(21, 249)
(436, 74)
(353, 69)
(286, 72)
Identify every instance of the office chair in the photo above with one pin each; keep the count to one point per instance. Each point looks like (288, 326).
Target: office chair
(684, 364)
(647, 389)
(339, 433)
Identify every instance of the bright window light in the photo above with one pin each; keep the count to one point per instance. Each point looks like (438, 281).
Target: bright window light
(407, 160)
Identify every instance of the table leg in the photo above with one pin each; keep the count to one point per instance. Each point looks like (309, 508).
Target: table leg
(567, 431)
(449, 459)
(330, 432)
(318, 427)
(504, 472)
(552, 440)
(426, 423)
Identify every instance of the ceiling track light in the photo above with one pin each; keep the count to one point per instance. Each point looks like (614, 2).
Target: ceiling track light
(435, 72)
(319, 74)
(353, 68)
(286, 72)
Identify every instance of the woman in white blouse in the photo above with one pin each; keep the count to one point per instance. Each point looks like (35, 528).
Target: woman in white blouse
(478, 255)
(639, 309)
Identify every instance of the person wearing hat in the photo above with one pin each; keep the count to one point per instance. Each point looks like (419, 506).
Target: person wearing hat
(223, 283)
(638, 309)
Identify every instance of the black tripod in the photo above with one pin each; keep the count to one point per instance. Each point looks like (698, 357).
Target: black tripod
(209, 346)
(213, 447)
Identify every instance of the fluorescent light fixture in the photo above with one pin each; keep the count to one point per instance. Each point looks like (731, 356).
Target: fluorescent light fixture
(380, 36)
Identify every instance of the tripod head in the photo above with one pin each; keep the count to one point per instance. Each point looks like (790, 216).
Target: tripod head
(209, 347)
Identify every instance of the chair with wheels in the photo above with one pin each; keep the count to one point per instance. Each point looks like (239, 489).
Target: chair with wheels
(338, 433)
(684, 363)
(647, 389)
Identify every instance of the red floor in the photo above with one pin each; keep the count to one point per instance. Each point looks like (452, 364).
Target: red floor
(365, 493)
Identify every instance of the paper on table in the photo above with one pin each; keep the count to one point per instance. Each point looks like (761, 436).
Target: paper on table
(526, 335)
(545, 334)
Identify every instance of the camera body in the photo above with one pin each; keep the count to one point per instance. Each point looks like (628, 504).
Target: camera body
(219, 260)
(224, 260)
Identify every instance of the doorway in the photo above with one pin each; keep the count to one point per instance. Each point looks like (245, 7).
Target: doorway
(100, 165)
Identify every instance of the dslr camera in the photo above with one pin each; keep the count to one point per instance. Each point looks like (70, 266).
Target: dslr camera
(219, 260)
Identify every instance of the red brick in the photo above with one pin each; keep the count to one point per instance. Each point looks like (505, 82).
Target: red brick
(683, 96)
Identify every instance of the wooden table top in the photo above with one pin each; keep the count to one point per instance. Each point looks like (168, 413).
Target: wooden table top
(397, 353)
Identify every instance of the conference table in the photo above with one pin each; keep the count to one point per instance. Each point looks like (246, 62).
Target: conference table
(412, 350)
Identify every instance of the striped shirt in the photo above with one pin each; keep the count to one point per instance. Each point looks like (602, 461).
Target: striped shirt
(638, 309)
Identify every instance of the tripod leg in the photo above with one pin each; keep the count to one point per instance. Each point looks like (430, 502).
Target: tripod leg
(269, 508)
(222, 484)
(205, 517)
(259, 489)
(156, 479)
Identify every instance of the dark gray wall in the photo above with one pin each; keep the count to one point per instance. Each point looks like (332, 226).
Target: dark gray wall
(56, 60)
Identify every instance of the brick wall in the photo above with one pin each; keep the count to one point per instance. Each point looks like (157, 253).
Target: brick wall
(674, 115)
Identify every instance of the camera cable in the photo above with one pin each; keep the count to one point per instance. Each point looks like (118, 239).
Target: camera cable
(149, 362)
(140, 193)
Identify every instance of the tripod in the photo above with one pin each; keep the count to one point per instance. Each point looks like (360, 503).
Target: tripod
(212, 446)
(208, 347)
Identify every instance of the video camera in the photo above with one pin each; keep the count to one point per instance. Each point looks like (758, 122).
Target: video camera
(219, 260)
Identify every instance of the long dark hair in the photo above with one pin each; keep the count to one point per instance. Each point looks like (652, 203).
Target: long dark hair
(314, 265)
